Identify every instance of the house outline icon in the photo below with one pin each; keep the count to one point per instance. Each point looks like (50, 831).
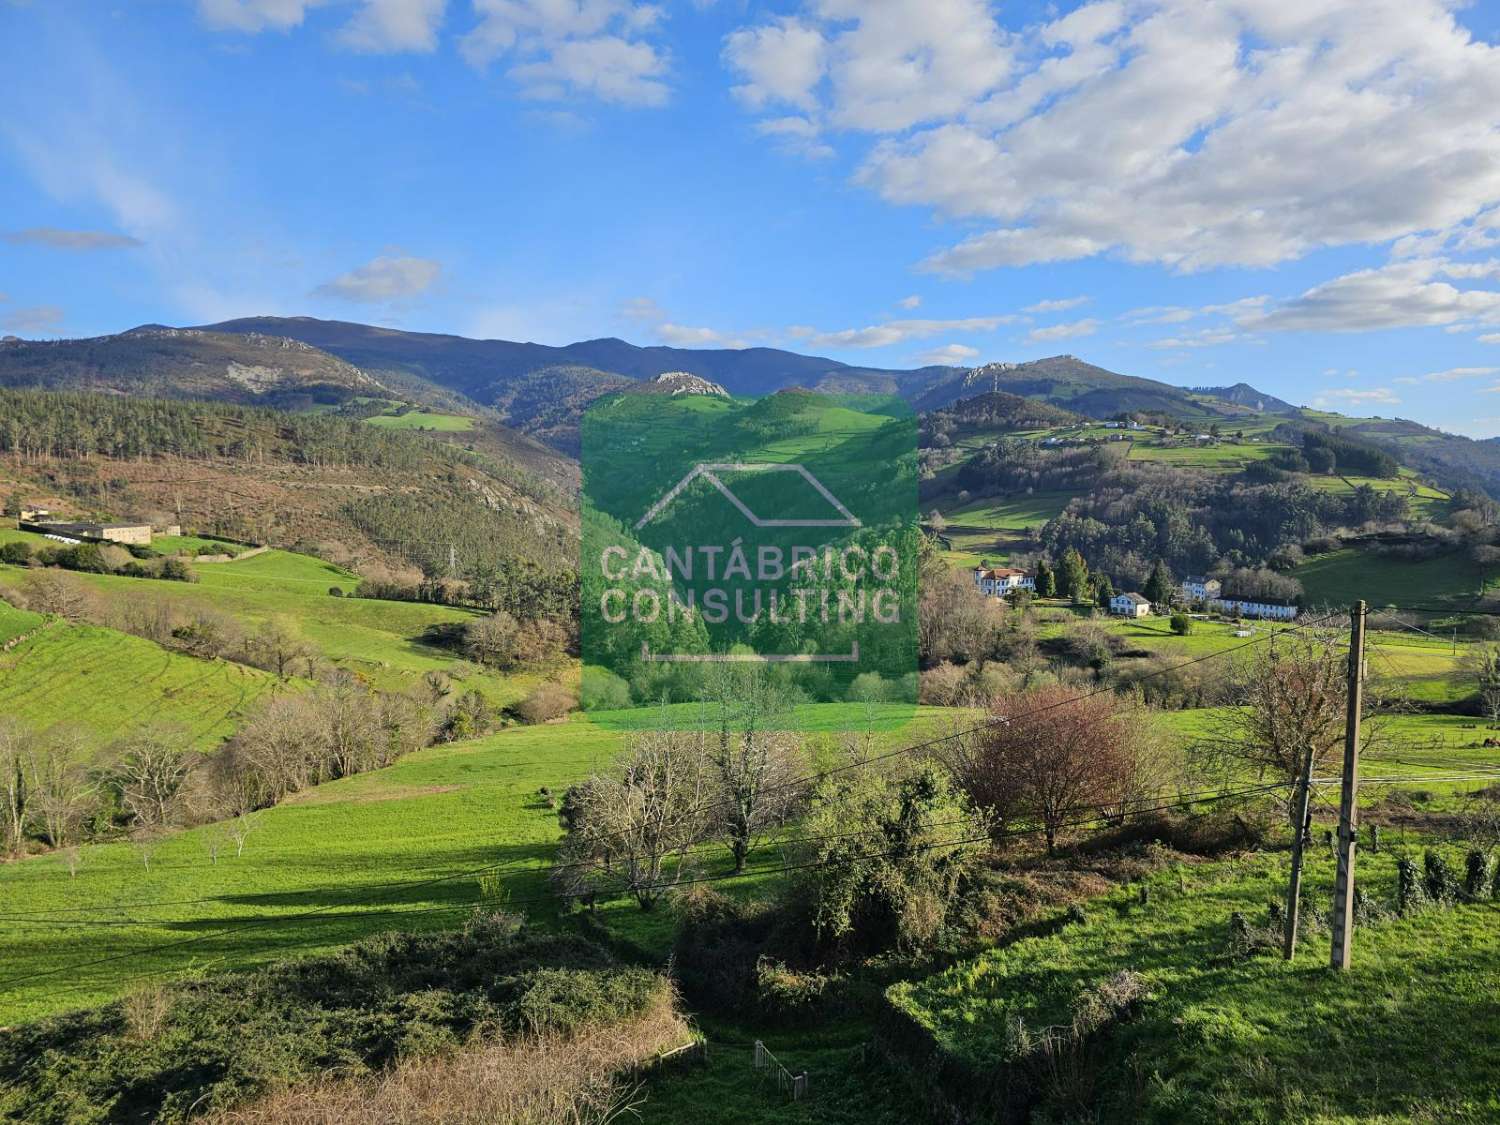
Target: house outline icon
(709, 471)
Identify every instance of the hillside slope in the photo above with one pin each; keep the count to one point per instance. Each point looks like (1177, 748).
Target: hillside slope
(165, 362)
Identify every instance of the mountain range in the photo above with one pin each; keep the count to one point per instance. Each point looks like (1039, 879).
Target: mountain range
(541, 390)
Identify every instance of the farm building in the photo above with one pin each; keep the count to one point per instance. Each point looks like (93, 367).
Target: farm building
(89, 532)
(1130, 605)
(998, 581)
(1266, 610)
(1197, 588)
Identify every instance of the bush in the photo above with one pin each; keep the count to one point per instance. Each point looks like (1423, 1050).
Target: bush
(1182, 624)
(604, 691)
(545, 703)
(16, 554)
(200, 1046)
(335, 591)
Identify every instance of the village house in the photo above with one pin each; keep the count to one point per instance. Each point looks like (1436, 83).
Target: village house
(1197, 588)
(1265, 610)
(89, 532)
(1130, 605)
(999, 581)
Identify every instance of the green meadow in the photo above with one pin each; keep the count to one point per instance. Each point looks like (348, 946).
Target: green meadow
(398, 849)
(1249, 1038)
(111, 683)
(378, 639)
(423, 420)
(1446, 581)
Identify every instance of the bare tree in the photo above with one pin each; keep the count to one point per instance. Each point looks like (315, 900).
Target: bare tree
(627, 825)
(149, 771)
(351, 727)
(278, 646)
(60, 789)
(1055, 755)
(65, 595)
(750, 763)
(240, 828)
(1287, 720)
(1483, 664)
(15, 750)
(278, 748)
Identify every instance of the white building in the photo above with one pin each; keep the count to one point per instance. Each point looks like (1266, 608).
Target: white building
(1130, 605)
(997, 581)
(1196, 588)
(1242, 607)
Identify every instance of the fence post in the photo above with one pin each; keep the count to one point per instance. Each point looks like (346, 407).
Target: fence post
(760, 1055)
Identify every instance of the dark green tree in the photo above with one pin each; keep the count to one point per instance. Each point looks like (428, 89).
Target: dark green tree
(1104, 590)
(1073, 576)
(1159, 586)
(1046, 581)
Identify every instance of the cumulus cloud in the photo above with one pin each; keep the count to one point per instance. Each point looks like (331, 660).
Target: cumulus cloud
(949, 355)
(591, 47)
(57, 239)
(1191, 133)
(646, 310)
(1400, 294)
(780, 62)
(896, 331)
(383, 279)
(376, 25)
(1203, 338)
(1490, 338)
(36, 318)
(910, 303)
(394, 25)
(1350, 396)
(797, 135)
(1063, 331)
(1059, 305)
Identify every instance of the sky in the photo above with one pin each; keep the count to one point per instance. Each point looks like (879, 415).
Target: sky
(1300, 194)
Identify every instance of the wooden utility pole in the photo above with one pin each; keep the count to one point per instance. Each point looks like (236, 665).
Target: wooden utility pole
(1294, 884)
(1343, 885)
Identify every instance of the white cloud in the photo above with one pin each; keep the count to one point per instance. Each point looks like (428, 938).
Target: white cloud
(1192, 133)
(383, 279)
(910, 303)
(253, 15)
(1401, 294)
(780, 61)
(949, 355)
(1063, 331)
(643, 309)
(1203, 338)
(377, 26)
(683, 336)
(1159, 314)
(797, 135)
(896, 331)
(1061, 305)
(36, 318)
(56, 239)
(1490, 338)
(394, 25)
(1349, 396)
(1457, 374)
(560, 48)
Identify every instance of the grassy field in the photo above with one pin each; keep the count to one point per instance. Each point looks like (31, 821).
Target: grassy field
(111, 683)
(378, 639)
(423, 420)
(991, 529)
(400, 848)
(1250, 1039)
(1341, 576)
(191, 544)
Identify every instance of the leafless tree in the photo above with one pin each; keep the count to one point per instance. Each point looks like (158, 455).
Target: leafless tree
(61, 792)
(65, 595)
(1288, 713)
(749, 761)
(279, 647)
(278, 748)
(628, 824)
(148, 773)
(16, 741)
(1055, 755)
(239, 828)
(350, 727)
(1483, 665)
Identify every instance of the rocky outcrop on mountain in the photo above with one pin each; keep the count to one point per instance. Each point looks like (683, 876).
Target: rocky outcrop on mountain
(684, 383)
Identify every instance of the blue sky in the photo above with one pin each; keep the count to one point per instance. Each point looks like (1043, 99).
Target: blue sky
(1301, 194)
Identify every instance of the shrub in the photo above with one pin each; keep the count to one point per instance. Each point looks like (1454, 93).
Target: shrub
(604, 691)
(1182, 624)
(545, 703)
(1476, 875)
(1438, 879)
(16, 554)
(1410, 893)
(335, 591)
